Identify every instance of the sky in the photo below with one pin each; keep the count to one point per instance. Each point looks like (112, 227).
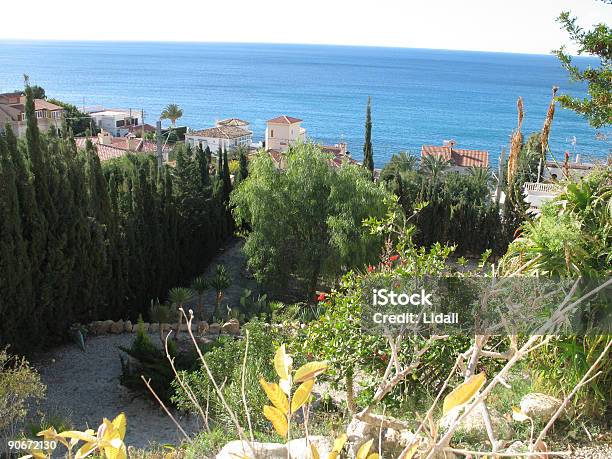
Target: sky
(522, 26)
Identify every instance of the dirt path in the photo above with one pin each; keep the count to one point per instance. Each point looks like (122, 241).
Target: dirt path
(83, 387)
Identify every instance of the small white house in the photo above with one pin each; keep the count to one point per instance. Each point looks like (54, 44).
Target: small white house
(116, 122)
(536, 194)
(227, 135)
(559, 170)
(284, 131)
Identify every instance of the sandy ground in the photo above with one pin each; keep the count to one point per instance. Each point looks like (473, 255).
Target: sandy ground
(84, 388)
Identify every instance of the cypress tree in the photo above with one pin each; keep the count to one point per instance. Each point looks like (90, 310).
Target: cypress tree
(227, 181)
(219, 163)
(202, 163)
(15, 277)
(368, 158)
(243, 167)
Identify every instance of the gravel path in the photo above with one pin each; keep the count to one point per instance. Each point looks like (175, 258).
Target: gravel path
(83, 387)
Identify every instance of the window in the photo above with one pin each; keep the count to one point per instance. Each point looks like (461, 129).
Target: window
(271, 132)
(120, 123)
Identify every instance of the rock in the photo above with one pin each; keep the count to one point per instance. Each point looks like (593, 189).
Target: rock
(539, 406)
(231, 327)
(100, 327)
(359, 432)
(145, 327)
(473, 425)
(202, 327)
(517, 447)
(153, 327)
(298, 449)
(117, 327)
(214, 329)
(395, 441)
(184, 327)
(165, 327)
(127, 326)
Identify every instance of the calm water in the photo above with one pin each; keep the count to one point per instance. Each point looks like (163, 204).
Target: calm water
(419, 96)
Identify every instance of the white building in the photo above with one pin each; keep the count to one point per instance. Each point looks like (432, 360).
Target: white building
(536, 194)
(117, 122)
(227, 135)
(282, 132)
(559, 170)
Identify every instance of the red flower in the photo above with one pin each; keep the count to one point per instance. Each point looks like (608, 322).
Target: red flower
(394, 257)
(321, 297)
(371, 268)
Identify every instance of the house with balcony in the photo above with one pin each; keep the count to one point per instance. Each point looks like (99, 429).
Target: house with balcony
(459, 159)
(227, 135)
(282, 132)
(12, 112)
(117, 122)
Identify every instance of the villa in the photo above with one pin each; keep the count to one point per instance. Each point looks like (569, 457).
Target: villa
(460, 160)
(576, 170)
(116, 122)
(110, 147)
(282, 132)
(227, 135)
(12, 112)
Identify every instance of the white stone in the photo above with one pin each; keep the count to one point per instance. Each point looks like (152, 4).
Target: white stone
(539, 406)
(473, 425)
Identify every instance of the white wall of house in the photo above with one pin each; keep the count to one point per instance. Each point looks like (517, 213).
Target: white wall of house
(281, 136)
(115, 122)
(215, 143)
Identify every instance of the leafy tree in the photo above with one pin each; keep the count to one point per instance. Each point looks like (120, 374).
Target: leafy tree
(79, 122)
(307, 220)
(171, 112)
(597, 108)
(368, 153)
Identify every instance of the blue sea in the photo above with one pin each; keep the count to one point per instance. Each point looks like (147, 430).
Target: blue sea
(419, 96)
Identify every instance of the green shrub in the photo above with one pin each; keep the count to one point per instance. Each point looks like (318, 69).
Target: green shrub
(224, 359)
(20, 385)
(148, 360)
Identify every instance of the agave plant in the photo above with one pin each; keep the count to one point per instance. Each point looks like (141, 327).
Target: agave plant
(178, 296)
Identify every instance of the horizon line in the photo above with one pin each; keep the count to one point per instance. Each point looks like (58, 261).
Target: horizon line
(344, 45)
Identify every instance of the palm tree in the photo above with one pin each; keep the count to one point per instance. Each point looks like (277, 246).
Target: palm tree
(178, 296)
(172, 112)
(220, 281)
(399, 162)
(481, 175)
(199, 285)
(160, 313)
(434, 165)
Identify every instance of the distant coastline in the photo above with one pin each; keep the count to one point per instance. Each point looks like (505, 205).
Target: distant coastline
(419, 96)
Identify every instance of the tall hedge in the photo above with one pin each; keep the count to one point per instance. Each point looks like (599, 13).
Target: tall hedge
(81, 240)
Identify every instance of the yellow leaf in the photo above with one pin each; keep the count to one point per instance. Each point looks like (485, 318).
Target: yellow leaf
(275, 394)
(333, 455)
(285, 385)
(309, 371)
(277, 418)
(75, 434)
(120, 423)
(374, 456)
(282, 363)
(48, 434)
(363, 451)
(301, 395)
(464, 393)
(313, 451)
(339, 443)
(518, 415)
(85, 450)
(410, 451)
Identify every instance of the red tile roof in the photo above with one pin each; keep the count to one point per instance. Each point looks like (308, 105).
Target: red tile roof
(457, 156)
(119, 147)
(284, 119)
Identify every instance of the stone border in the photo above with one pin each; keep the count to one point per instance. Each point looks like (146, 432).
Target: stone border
(110, 327)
